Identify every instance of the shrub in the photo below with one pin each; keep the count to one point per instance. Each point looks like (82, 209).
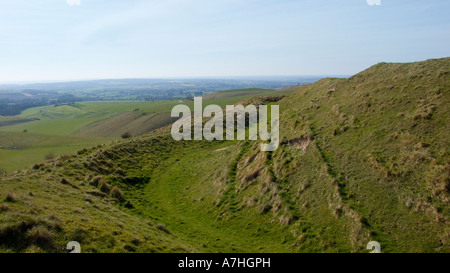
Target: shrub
(78, 210)
(162, 228)
(40, 236)
(83, 151)
(11, 198)
(34, 249)
(49, 156)
(65, 157)
(4, 207)
(116, 193)
(126, 135)
(89, 199)
(96, 180)
(103, 186)
(78, 234)
(136, 241)
(37, 166)
(100, 183)
(128, 205)
(129, 248)
(65, 181)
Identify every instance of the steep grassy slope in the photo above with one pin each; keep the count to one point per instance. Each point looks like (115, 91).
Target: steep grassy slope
(361, 159)
(375, 157)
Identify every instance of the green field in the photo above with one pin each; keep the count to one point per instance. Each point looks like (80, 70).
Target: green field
(65, 129)
(70, 120)
(19, 150)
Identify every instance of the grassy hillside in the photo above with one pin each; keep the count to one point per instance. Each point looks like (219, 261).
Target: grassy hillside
(361, 159)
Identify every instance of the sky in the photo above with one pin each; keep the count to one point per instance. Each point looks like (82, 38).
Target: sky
(54, 40)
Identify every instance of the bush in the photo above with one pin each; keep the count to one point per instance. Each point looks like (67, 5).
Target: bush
(96, 181)
(162, 228)
(40, 236)
(4, 207)
(116, 193)
(37, 166)
(126, 135)
(128, 205)
(65, 181)
(78, 234)
(50, 156)
(89, 199)
(11, 198)
(136, 241)
(83, 151)
(103, 186)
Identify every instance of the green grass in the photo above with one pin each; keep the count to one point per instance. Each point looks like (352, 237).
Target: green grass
(11, 120)
(92, 121)
(368, 161)
(70, 120)
(172, 189)
(22, 150)
(59, 127)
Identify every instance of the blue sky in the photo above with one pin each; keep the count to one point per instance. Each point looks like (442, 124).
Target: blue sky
(44, 40)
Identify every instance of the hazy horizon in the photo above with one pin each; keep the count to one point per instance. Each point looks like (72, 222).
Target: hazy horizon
(73, 40)
(250, 77)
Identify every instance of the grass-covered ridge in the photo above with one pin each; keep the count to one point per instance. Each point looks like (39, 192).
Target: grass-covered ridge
(361, 159)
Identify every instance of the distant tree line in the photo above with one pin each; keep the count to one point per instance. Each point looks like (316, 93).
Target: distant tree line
(8, 108)
(16, 98)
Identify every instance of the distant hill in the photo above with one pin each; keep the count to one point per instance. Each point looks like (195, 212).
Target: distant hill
(165, 85)
(362, 159)
(16, 98)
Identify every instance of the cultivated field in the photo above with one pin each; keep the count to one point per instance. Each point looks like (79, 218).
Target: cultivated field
(42, 132)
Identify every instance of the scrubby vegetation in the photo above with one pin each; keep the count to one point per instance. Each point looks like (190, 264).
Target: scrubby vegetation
(126, 135)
